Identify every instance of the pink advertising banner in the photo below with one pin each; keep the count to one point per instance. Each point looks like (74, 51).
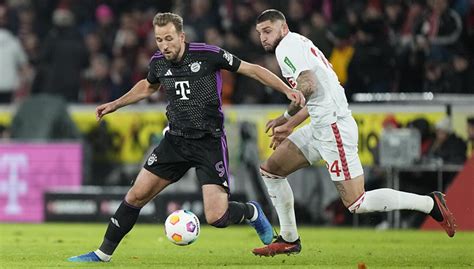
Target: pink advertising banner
(29, 169)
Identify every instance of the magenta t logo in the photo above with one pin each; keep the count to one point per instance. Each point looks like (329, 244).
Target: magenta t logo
(11, 184)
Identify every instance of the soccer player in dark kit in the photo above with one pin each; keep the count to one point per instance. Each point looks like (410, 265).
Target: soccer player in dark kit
(190, 75)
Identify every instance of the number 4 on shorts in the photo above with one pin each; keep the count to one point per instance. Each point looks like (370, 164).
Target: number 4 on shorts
(334, 168)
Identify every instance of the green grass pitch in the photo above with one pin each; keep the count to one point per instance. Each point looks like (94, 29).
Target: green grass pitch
(48, 246)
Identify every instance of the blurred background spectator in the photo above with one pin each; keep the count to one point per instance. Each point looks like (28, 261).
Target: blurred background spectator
(93, 51)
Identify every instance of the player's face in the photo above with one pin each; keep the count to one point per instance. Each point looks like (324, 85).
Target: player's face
(169, 41)
(271, 33)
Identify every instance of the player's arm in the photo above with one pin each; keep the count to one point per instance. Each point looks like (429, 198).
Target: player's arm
(306, 85)
(143, 89)
(267, 78)
(281, 132)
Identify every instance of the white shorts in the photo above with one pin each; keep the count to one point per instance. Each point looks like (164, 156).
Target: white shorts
(336, 144)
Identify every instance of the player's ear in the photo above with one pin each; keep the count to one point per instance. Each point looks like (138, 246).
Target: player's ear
(182, 36)
(284, 27)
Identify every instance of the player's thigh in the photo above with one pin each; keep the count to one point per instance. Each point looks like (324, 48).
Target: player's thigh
(295, 152)
(146, 186)
(211, 159)
(215, 199)
(337, 144)
(168, 161)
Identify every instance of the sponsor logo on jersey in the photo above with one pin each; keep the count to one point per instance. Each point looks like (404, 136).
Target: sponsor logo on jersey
(152, 159)
(182, 88)
(195, 67)
(228, 57)
(290, 64)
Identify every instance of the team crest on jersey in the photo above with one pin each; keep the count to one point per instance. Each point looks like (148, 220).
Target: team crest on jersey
(195, 67)
(228, 57)
(152, 159)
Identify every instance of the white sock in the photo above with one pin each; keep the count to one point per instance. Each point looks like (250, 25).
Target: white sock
(382, 200)
(104, 257)
(282, 198)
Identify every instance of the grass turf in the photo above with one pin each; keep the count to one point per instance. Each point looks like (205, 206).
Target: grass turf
(48, 246)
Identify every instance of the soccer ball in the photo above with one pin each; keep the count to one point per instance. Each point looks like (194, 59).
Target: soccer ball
(182, 227)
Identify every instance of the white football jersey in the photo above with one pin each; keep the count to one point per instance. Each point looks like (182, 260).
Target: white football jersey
(296, 54)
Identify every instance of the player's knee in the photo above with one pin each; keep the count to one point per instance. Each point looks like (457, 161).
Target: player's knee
(267, 173)
(218, 220)
(357, 206)
(136, 198)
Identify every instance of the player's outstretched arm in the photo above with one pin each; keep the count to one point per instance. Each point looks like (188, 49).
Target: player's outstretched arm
(141, 90)
(267, 78)
(281, 132)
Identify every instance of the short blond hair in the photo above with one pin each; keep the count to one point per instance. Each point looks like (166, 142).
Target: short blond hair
(162, 19)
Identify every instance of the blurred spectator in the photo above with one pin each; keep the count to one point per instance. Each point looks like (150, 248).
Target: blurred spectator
(438, 28)
(96, 84)
(342, 52)
(371, 67)
(201, 16)
(426, 132)
(244, 20)
(415, 38)
(121, 77)
(318, 33)
(126, 43)
(436, 79)
(13, 61)
(94, 44)
(295, 16)
(462, 73)
(106, 28)
(63, 58)
(447, 146)
(395, 16)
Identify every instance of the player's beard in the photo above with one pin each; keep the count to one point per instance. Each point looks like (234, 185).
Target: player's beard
(172, 57)
(274, 45)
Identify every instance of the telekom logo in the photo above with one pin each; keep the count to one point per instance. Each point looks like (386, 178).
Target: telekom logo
(12, 186)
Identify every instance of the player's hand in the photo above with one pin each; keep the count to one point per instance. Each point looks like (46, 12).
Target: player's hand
(105, 109)
(280, 133)
(271, 124)
(297, 97)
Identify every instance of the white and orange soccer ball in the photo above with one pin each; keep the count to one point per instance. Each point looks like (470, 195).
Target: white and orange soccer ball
(182, 227)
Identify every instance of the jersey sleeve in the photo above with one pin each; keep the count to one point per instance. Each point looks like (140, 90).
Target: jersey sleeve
(152, 75)
(226, 60)
(291, 59)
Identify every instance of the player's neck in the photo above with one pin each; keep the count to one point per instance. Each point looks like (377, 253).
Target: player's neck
(181, 53)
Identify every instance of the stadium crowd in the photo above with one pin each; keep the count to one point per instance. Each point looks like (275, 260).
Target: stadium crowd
(92, 51)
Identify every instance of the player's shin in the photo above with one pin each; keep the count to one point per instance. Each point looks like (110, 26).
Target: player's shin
(281, 194)
(119, 225)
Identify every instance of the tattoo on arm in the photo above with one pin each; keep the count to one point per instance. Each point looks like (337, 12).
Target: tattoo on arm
(306, 84)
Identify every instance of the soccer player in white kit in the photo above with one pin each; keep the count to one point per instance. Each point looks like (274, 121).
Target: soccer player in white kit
(332, 136)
